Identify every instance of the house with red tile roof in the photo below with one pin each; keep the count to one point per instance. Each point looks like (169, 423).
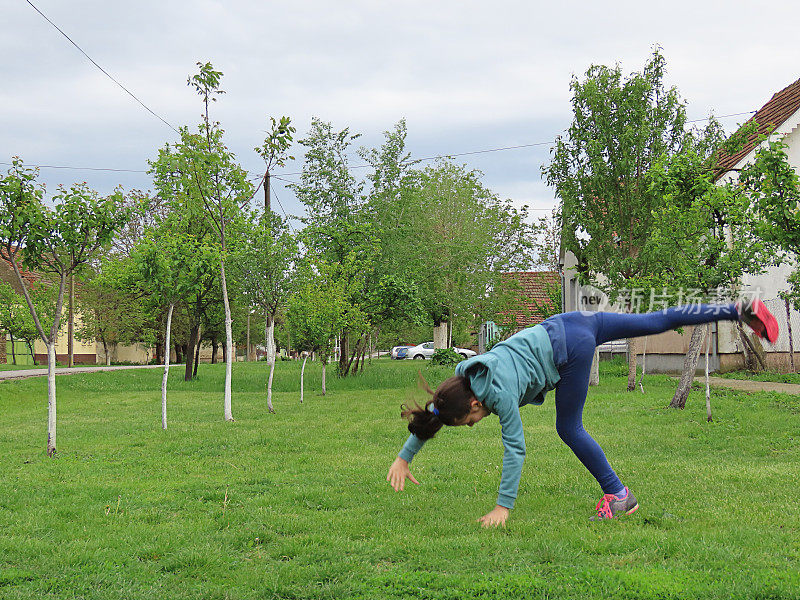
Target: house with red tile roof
(665, 352)
(536, 290)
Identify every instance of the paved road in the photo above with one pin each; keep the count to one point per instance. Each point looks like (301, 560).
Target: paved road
(24, 373)
(751, 386)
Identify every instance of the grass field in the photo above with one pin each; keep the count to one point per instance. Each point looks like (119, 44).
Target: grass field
(762, 376)
(295, 504)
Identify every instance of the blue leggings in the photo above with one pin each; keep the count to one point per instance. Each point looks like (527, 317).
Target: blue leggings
(583, 332)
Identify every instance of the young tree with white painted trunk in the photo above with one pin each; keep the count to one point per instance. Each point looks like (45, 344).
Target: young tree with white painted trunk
(262, 269)
(53, 242)
(170, 266)
(317, 311)
(201, 170)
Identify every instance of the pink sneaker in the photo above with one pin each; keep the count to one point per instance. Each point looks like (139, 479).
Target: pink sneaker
(611, 507)
(757, 317)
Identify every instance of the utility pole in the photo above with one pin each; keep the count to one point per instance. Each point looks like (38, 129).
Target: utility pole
(267, 206)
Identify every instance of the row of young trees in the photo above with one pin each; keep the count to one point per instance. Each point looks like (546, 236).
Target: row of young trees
(643, 206)
(405, 246)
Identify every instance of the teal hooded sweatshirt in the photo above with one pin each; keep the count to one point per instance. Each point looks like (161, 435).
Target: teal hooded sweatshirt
(515, 372)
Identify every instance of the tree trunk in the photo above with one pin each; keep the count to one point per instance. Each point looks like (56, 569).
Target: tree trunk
(166, 371)
(350, 360)
(107, 353)
(51, 398)
(450, 331)
(631, 364)
(440, 335)
(644, 357)
(594, 374)
(269, 341)
(302, 372)
(71, 322)
(197, 356)
(756, 357)
(30, 349)
(159, 351)
(194, 338)
(708, 385)
(689, 368)
(269, 386)
(247, 350)
(214, 350)
(228, 413)
(178, 353)
(791, 341)
(13, 352)
(344, 354)
(323, 360)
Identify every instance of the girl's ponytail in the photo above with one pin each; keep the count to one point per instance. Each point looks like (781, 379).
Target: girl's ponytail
(422, 422)
(450, 404)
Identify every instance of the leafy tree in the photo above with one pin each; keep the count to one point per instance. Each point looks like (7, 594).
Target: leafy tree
(773, 187)
(110, 312)
(601, 172)
(460, 239)
(200, 178)
(327, 188)
(172, 268)
(223, 187)
(703, 237)
(334, 218)
(316, 311)
(395, 300)
(55, 242)
(261, 268)
(275, 151)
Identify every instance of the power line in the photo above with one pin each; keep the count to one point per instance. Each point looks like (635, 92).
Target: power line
(488, 150)
(274, 193)
(748, 112)
(364, 166)
(106, 73)
(81, 168)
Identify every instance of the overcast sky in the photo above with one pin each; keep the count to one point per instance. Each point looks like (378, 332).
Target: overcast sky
(466, 75)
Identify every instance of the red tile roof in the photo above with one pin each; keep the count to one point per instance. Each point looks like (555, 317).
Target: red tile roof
(773, 114)
(534, 286)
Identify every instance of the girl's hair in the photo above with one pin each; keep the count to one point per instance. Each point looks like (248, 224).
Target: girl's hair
(451, 401)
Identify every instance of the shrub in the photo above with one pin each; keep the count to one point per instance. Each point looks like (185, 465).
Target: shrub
(446, 357)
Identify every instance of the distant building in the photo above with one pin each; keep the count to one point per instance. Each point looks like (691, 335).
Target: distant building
(83, 352)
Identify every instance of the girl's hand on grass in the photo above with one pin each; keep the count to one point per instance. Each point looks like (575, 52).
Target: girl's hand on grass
(398, 473)
(497, 517)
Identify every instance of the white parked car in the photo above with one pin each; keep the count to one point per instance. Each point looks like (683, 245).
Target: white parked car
(426, 351)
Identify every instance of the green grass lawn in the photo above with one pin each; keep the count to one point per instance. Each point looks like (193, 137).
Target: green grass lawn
(773, 376)
(12, 367)
(295, 504)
